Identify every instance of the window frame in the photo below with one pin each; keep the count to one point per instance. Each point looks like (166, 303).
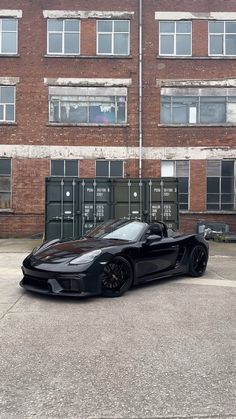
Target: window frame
(221, 192)
(4, 120)
(174, 170)
(112, 34)
(64, 167)
(223, 34)
(198, 97)
(109, 161)
(174, 34)
(7, 175)
(104, 92)
(63, 33)
(16, 36)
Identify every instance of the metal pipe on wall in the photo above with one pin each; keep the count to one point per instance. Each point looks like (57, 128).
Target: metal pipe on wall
(140, 86)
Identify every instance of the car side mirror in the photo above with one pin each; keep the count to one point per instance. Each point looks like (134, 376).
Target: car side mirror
(153, 238)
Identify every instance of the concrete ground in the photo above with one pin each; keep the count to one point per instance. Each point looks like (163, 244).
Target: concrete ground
(163, 350)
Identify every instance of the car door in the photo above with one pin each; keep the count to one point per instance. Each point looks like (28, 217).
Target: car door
(156, 259)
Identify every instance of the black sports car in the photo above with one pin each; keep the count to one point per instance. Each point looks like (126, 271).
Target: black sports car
(111, 258)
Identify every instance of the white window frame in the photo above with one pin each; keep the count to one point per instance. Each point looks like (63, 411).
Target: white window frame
(174, 34)
(223, 34)
(16, 35)
(63, 32)
(112, 37)
(4, 120)
(173, 167)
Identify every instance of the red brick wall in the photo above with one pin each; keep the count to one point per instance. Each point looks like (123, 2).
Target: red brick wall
(32, 66)
(198, 185)
(188, 222)
(32, 127)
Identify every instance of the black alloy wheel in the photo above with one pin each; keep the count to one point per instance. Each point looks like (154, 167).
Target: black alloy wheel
(198, 260)
(117, 277)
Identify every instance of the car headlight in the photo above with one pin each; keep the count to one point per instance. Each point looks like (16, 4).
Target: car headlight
(86, 258)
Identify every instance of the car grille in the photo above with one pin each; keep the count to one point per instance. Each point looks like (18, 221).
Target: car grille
(36, 283)
(69, 284)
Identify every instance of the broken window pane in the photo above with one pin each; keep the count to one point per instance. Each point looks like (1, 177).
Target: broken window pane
(88, 109)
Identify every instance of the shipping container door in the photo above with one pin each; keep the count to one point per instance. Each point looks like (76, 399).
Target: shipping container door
(60, 208)
(94, 203)
(162, 201)
(128, 199)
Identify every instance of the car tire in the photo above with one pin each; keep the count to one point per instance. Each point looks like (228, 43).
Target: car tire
(117, 277)
(198, 261)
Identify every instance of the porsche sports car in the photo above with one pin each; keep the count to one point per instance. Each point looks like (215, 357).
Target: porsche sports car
(112, 258)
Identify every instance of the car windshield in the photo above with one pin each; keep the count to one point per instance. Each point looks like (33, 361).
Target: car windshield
(118, 230)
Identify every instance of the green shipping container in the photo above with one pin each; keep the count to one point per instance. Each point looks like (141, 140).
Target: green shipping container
(74, 205)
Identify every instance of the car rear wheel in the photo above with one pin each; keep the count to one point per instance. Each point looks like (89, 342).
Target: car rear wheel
(117, 277)
(198, 261)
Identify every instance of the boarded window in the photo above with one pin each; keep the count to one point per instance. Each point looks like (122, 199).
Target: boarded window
(64, 167)
(109, 168)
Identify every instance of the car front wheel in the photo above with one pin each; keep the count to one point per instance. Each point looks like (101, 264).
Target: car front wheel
(198, 261)
(117, 277)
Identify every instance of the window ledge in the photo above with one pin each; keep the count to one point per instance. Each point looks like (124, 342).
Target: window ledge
(9, 55)
(6, 211)
(87, 56)
(195, 125)
(222, 212)
(8, 123)
(57, 124)
(189, 57)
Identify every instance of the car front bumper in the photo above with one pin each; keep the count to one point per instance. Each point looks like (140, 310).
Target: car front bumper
(64, 284)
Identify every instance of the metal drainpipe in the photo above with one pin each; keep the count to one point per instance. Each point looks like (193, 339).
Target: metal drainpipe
(140, 86)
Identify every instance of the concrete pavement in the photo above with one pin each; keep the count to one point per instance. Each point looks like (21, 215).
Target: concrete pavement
(163, 350)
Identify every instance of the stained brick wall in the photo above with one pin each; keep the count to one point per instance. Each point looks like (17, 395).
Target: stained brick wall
(32, 128)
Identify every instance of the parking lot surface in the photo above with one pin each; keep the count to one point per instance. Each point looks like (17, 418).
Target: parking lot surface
(163, 350)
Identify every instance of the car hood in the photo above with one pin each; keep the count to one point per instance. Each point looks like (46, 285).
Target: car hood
(62, 251)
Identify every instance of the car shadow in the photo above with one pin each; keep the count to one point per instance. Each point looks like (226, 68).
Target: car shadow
(85, 299)
(158, 282)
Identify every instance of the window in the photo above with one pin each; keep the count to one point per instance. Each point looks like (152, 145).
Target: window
(198, 106)
(7, 104)
(113, 37)
(220, 185)
(175, 38)
(64, 36)
(222, 38)
(81, 105)
(179, 169)
(109, 168)
(64, 167)
(5, 184)
(8, 36)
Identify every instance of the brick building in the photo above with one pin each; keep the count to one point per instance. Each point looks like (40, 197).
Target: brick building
(135, 88)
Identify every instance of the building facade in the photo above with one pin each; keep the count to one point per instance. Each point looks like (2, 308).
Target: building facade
(129, 89)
